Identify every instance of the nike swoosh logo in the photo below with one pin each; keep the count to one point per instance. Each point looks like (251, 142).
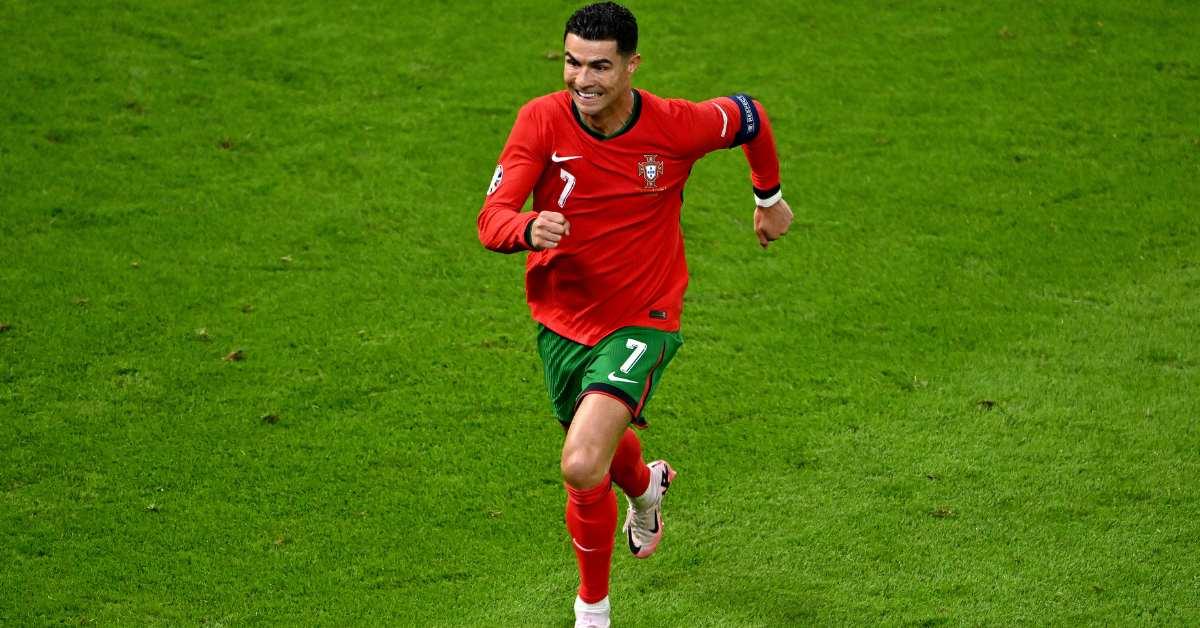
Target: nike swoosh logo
(613, 377)
(582, 548)
(556, 159)
(633, 546)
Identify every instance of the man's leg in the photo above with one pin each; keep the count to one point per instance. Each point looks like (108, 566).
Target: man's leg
(644, 486)
(588, 450)
(628, 468)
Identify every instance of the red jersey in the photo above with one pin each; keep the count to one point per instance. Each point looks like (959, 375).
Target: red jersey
(623, 263)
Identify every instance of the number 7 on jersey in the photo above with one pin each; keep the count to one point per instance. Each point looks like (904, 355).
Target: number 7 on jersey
(568, 185)
(638, 348)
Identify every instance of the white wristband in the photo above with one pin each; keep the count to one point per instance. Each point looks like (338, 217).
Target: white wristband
(767, 202)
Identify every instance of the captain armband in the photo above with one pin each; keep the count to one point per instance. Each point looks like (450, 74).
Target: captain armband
(750, 121)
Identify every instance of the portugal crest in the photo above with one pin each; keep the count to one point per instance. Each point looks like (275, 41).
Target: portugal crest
(650, 170)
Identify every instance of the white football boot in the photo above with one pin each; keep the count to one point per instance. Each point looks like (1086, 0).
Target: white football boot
(643, 521)
(591, 615)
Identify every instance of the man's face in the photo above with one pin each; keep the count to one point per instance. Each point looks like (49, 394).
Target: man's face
(595, 73)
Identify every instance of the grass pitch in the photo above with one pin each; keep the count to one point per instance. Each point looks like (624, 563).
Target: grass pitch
(255, 367)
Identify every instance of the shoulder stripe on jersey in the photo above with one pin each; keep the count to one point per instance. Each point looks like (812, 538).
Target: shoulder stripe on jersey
(724, 119)
(750, 122)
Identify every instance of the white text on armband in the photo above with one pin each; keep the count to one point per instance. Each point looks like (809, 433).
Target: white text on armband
(750, 120)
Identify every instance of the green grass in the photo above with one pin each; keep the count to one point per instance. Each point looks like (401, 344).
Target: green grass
(963, 390)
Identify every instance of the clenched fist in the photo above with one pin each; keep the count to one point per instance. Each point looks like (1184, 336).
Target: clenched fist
(770, 223)
(549, 228)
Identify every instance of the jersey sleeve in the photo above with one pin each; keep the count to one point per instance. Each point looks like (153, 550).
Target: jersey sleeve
(731, 121)
(502, 227)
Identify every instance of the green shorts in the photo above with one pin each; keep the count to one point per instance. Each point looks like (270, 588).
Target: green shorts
(626, 365)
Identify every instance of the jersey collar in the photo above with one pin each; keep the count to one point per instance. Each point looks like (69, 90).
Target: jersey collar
(633, 118)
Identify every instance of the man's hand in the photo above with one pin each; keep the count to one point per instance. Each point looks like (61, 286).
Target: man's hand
(770, 223)
(549, 228)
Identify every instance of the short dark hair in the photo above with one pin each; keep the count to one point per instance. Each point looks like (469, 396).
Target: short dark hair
(604, 21)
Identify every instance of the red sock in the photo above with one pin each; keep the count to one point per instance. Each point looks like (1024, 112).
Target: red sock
(592, 520)
(628, 470)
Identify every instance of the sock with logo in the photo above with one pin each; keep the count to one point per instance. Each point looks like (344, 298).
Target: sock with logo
(592, 521)
(628, 469)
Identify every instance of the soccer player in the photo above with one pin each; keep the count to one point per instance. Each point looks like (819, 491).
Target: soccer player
(605, 275)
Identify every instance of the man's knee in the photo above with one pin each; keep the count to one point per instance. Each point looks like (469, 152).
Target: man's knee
(591, 440)
(581, 470)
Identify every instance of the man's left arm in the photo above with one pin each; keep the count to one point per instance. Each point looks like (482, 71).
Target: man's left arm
(739, 120)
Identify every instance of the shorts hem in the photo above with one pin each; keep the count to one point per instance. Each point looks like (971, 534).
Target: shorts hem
(629, 402)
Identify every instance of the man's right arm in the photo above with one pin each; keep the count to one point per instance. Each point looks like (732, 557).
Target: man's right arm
(502, 227)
